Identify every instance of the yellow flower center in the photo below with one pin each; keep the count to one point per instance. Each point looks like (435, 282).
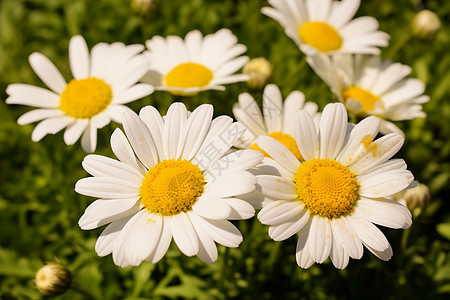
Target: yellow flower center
(85, 98)
(320, 35)
(188, 75)
(171, 187)
(366, 98)
(326, 187)
(286, 140)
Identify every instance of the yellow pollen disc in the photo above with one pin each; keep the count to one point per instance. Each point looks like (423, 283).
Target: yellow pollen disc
(85, 98)
(171, 187)
(326, 187)
(366, 98)
(286, 140)
(320, 35)
(188, 75)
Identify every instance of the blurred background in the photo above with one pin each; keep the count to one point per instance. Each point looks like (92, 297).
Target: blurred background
(39, 209)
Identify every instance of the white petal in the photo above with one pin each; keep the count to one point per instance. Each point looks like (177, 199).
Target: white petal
(135, 92)
(232, 163)
(248, 113)
(273, 108)
(196, 128)
(219, 140)
(173, 133)
(223, 232)
(385, 184)
(140, 139)
(212, 207)
(240, 209)
(368, 233)
(137, 239)
(338, 256)
(383, 255)
(155, 124)
(30, 95)
(279, 212)
(89, 139)
(306, 135)
(293, 103)
(376, 153)
(285, 230)
(38, 114)
(384, 212)
(184, 234)
(278, 152)
(122, 149)
(277, 187)
(102, 166)
(102, 212)
(207, 251)
(163, 243)
(333, 126)
(47, 72)
(50, 126)
(320, 239)
(79, 57)
(74, 131)
(106, 187)
(232, 184)
(347, 237)
(364, 132)
(107, 239)
(302, 254)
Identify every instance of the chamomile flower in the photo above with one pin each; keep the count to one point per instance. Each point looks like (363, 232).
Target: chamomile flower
(338, 192)
(103, 82)
(171, 180)
(276, 120)
(326, 26)
(369, 86)
(187, 67)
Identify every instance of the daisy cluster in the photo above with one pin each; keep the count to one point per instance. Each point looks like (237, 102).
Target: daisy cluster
(184, 176)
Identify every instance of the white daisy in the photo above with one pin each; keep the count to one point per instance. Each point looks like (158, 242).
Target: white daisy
(177, 183)
(369, 86)
(326, 26)
(195, 64)
(276, 121)
(335, 195)
(103, 82)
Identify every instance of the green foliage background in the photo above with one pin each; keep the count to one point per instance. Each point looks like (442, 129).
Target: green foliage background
(39, 208)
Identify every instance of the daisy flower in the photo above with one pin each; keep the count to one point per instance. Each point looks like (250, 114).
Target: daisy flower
(171, 179)
(369, 86)
(103, 82)
(195, 64)
(326, 26)
(276, 120)
(338, 192)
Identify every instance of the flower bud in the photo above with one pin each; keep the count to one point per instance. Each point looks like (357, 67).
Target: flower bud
(416, 198)
(260, 72)
(53, 279)
(143, 7)
(425, 24)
